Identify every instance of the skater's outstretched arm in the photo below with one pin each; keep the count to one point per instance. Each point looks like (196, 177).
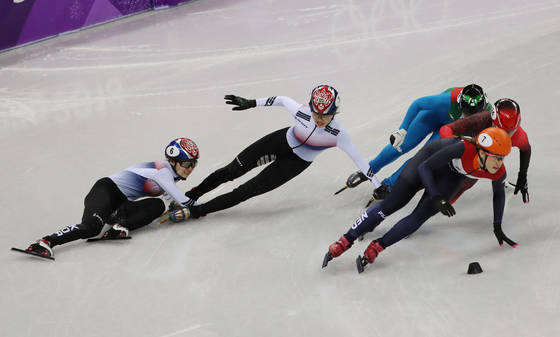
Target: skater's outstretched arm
(521, 140)
(241, 103)
(468, 126)
(292, 106)
(499, 205)
(424, 116)
(498, 198)
(345, 143)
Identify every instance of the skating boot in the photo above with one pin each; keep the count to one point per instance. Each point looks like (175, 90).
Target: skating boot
(336, 249)
(41, 248)
(117, 232)
(371, 252)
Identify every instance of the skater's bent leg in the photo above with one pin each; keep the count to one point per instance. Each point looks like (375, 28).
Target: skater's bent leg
(228, 173)
(422, 125)
(273, 176)
(409, 224)
(388, 155)
(101, 201)
(400, 196)
(448, 183)
(390, 181)
(259, 153)
(366, 222)
(136, 214)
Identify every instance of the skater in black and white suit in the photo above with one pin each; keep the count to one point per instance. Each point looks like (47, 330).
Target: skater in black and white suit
(289, 150)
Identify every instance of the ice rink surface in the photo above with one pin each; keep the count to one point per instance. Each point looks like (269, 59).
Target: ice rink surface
(86, 105)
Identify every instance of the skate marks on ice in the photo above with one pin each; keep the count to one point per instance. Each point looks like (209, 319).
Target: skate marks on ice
(187, 330)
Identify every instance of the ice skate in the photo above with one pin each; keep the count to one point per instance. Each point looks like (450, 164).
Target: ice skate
(41, 249)
(371, 252)
(117, 232)
(336, 249)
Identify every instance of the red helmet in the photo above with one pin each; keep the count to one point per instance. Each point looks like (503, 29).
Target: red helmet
(324, 100)
(506, 114)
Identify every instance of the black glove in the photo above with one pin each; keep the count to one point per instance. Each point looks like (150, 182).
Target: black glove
(443, 206)
(502, 237)
(381, 192)
(192, 195)
(173, 206)
(242, 103)
(356, 179)
(521, 185)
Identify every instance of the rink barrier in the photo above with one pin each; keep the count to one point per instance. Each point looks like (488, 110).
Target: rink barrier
(23, 22)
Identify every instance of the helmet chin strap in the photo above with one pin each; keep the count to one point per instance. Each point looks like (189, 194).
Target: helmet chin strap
(484, 162)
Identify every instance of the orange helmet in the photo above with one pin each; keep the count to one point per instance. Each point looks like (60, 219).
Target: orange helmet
(494, 140)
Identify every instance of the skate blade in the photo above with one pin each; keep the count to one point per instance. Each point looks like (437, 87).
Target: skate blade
(340, 190)
(42, 257)
(164, 217)
(111, 239)
(327, 258)
(361, 262)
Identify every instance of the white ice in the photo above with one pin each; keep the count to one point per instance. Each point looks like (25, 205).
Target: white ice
(83, 106)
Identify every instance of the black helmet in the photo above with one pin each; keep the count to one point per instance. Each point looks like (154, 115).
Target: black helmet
(471, 100)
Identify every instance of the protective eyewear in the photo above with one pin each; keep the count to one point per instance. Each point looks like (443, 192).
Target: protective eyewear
(189, 163)
(497, 157)
(322, 116)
